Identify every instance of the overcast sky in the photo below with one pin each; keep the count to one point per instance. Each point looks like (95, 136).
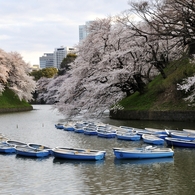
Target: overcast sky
(35, 27)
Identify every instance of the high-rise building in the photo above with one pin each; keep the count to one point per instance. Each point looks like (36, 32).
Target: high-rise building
(47, 60)
(61, 53)
(55, 59)
(84, 30)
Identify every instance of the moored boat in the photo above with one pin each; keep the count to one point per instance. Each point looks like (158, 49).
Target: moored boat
(180, 142)
(79, 127)
(78, 154)
(39, 147)
(106, 131)
(143, 153)
(59, 126)
(31, 152)
(6, 148)
(15, 143)
(129, 136)
(152, 139)
(182, 135)
(191, 131)
(90, 131)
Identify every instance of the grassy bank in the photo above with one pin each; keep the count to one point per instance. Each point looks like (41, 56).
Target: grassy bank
(9, 101)
(162, 94)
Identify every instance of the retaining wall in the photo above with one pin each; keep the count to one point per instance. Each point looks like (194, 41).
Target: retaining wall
(153, 115)
(9, 110)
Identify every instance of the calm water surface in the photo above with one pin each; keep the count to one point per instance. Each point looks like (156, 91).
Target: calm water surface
(28, 176)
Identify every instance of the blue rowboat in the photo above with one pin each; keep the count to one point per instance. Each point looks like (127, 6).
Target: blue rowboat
(79, 127)
(59, 126)
(191, 131)
(78, 154)
(182, 135)
(30, 152)
(106, 133)
(39, 147)
(69, 128)
(90, 131)
(129, 136)
(6, 148)
(15, 143)
(180, 142)
(152, 139)
(143, 153)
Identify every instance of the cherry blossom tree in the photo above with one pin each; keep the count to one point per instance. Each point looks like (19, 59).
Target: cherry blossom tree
(14, 75)
(114, 61)
(3, 70)
(168, 19)
(109, 66)
(188, 86)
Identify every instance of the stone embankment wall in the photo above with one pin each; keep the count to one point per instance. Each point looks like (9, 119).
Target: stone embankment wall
(9, 110)
(153, 115)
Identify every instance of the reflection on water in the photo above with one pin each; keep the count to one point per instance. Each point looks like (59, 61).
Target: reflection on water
(77, 162)
(27, 158)
(29, 176)
(143, 161)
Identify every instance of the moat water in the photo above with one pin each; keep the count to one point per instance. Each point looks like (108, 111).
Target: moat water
(29, 176)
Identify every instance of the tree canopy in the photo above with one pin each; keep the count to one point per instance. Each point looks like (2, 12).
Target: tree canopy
(14, 74)
(67, 61)
(121, 55)
(45, 72)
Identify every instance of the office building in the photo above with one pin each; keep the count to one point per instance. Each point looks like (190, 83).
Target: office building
(60, 54)
(84, 30)
(47, 60)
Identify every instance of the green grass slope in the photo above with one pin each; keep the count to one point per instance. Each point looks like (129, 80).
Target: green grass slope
(8, 100)
(161, 94)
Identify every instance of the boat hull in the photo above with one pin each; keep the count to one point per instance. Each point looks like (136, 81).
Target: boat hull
(78, 154)
(180, 142)
(154, 142)
(39, 154)
(185, 136)
(128, 137)
(40, 147)
(7, 149)
(141, 154)
(152, 139)
(59, 126)
(106, 135)
(30, 152)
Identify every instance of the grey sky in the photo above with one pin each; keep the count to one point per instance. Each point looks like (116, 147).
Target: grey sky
(34, 27)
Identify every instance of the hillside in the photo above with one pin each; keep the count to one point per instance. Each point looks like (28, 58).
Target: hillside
(9, 102)
(161, 94)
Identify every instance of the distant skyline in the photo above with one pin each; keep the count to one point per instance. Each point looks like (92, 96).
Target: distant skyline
(35, 27)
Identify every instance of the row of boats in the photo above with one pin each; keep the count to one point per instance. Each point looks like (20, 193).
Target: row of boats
(39, 151)
(184, 138)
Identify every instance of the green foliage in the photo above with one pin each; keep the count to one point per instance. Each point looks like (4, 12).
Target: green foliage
(162, 94)
(66, 61)
(45, 72)
(9, 100)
